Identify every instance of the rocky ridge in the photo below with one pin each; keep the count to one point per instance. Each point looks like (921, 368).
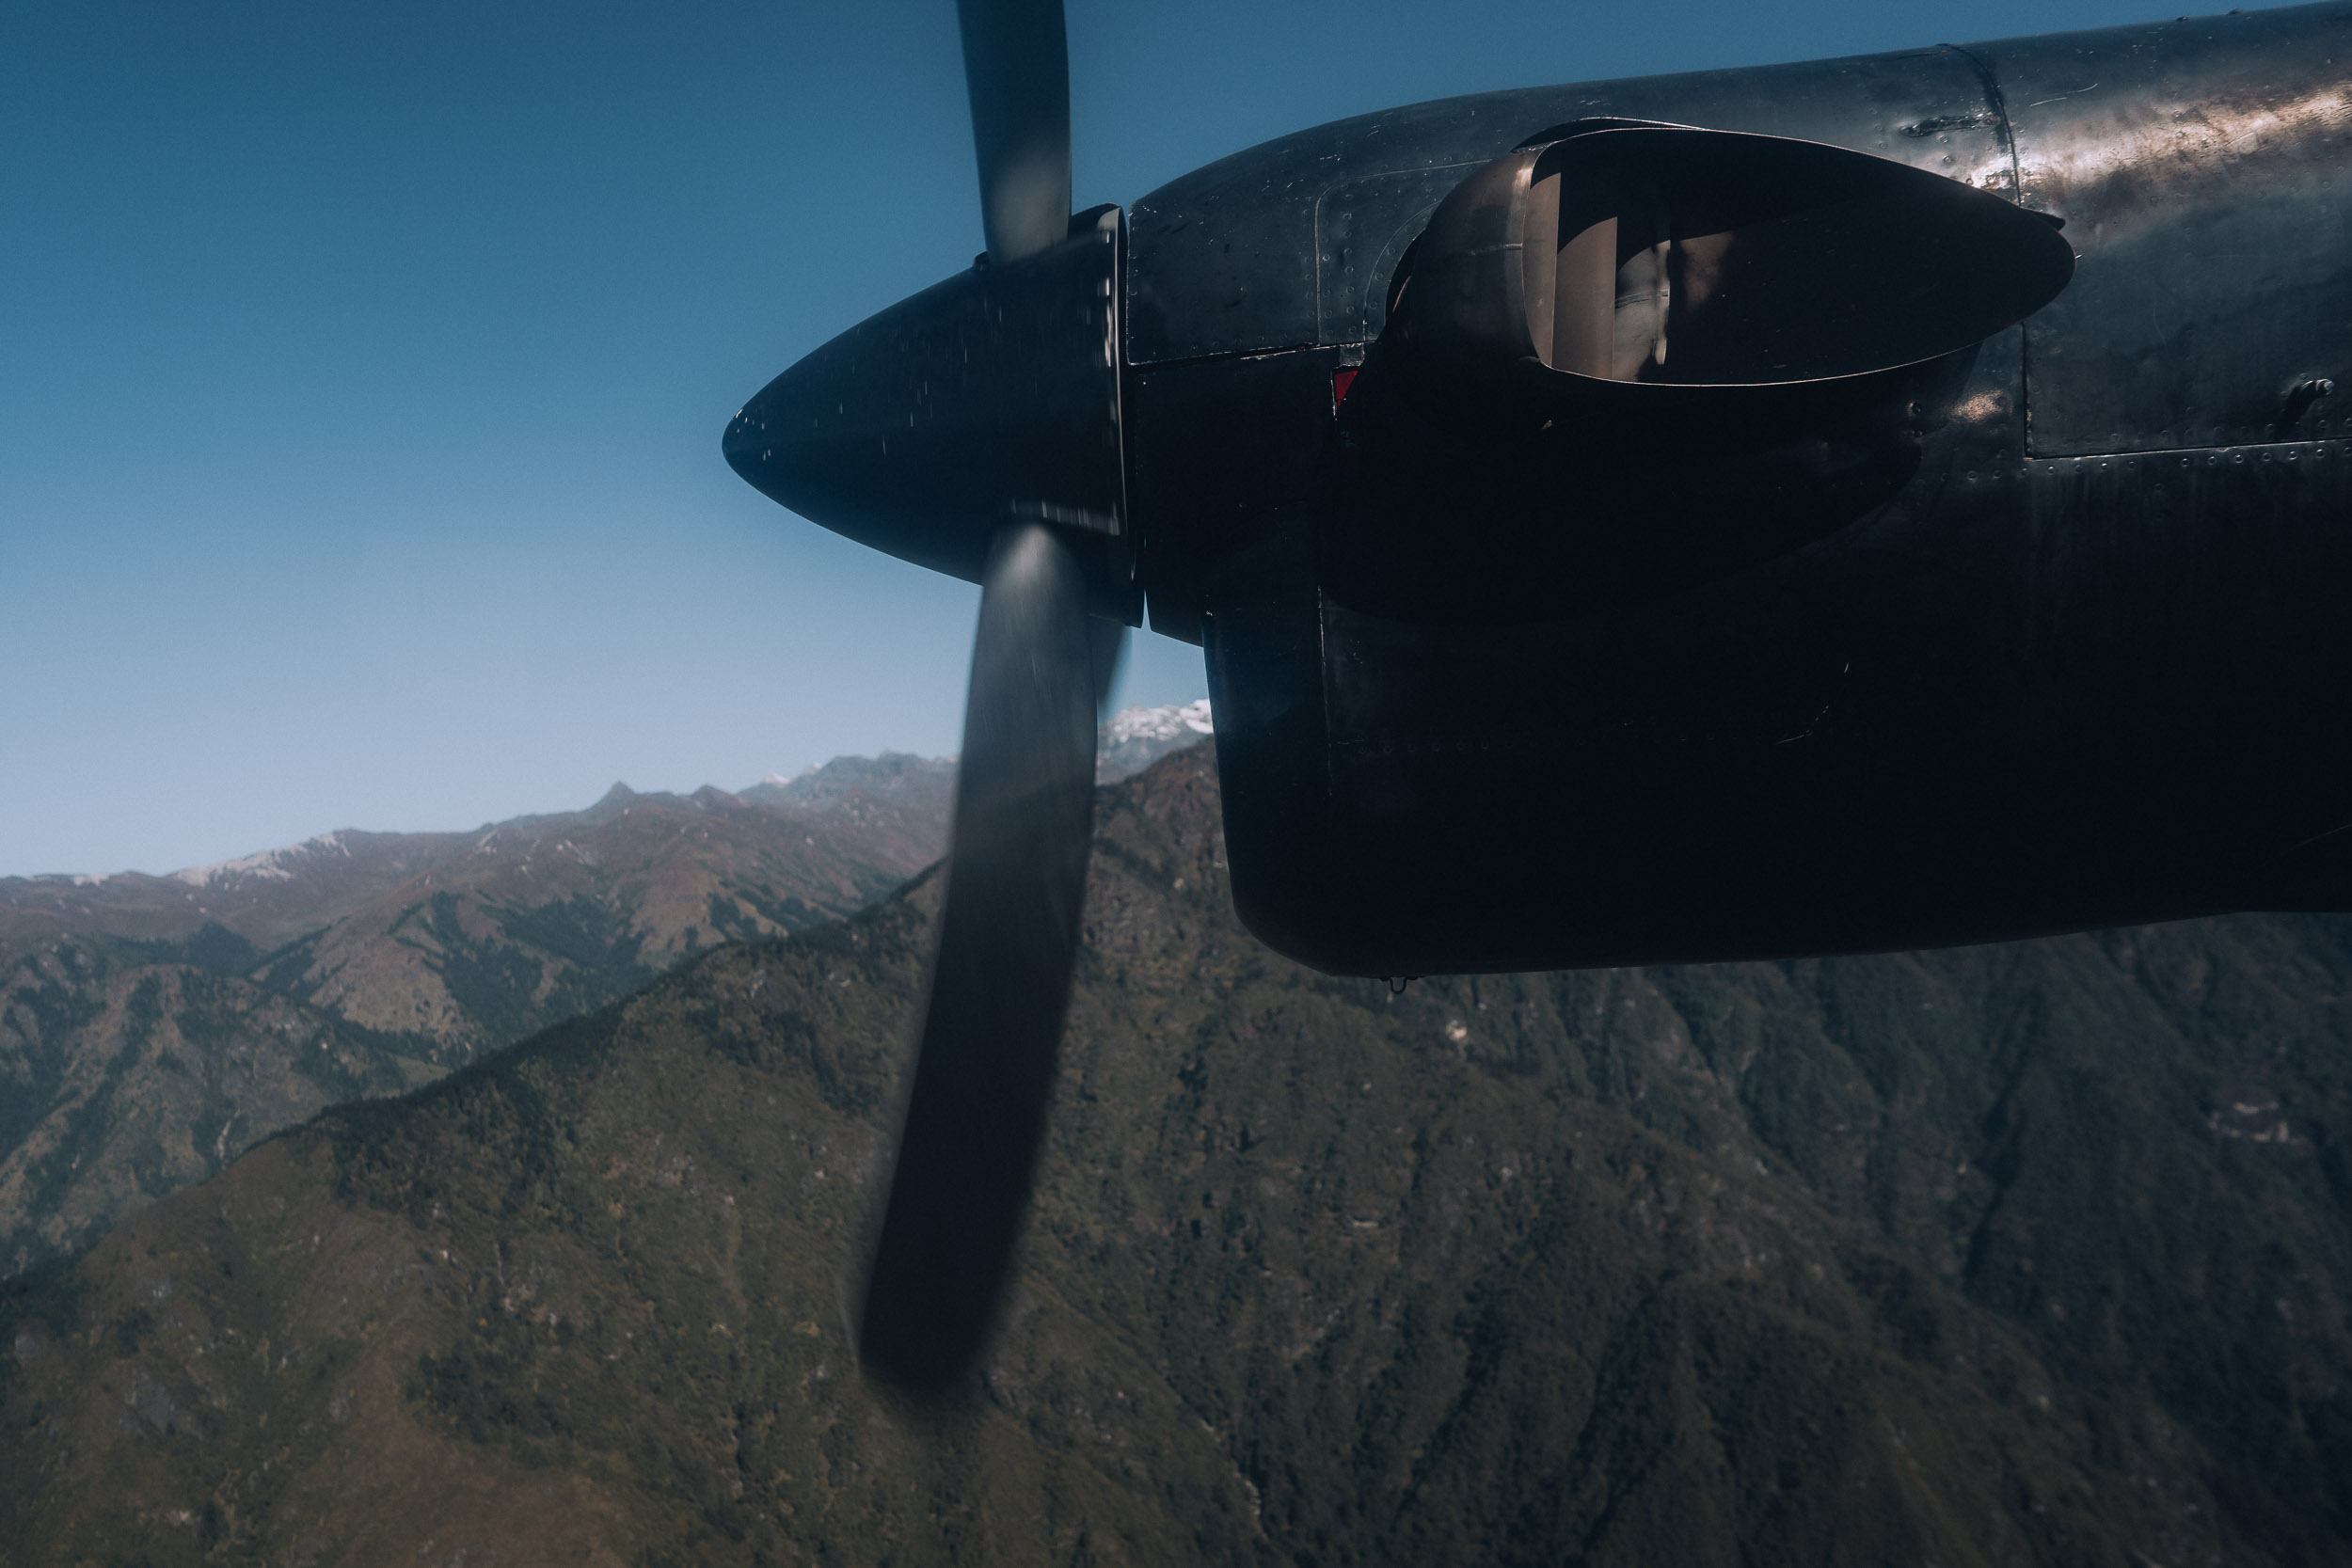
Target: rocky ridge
(151, 1027)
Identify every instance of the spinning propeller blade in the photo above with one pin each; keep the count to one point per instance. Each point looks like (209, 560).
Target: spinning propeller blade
(1016, 66)
(1025, 797)
(1025, 802)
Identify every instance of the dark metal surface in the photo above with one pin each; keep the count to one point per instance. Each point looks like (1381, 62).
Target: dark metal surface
(1879, 685)
(1269, 419)
(2007, 714)
(2201, 168)
(1025, 797)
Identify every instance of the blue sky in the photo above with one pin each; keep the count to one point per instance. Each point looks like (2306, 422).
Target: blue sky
(362, 369)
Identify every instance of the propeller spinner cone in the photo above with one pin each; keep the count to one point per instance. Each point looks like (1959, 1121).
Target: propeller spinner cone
(988, 399)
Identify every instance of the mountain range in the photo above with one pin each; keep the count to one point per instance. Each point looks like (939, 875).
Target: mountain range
(2027, 1254)
(153, 1027)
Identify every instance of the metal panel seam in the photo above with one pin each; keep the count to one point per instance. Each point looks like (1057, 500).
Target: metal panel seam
(1999, 103)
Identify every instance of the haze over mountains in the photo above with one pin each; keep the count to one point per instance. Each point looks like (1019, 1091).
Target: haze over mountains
(2029, 1254)
(153, 1027)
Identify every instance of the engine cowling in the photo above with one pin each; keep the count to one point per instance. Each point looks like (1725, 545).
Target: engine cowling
(1627, 357)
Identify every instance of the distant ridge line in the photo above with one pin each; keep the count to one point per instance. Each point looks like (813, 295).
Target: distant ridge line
(1131, 740)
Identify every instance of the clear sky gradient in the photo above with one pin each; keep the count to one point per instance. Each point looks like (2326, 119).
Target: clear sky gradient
(362, 369)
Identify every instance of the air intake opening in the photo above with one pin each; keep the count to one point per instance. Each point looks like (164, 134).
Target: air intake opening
(1672, 256)
(1596, 274)
(1626, 358)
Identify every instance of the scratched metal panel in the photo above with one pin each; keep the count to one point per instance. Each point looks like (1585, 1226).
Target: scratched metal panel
(1291, 243)
(2201, 168)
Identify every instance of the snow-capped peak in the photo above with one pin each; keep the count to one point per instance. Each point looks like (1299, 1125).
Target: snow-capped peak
(267, 864)
(1139, 737)
(1159, 723)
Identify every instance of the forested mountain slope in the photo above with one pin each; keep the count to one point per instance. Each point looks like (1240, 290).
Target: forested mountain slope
(2025, 1254)
(153, 1027)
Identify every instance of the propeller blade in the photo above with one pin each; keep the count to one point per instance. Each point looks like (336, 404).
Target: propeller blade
(1109, 648)
(1025, 806)
(1016, 66)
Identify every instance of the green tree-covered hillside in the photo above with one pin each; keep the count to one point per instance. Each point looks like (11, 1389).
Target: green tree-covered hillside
(2033, 1254)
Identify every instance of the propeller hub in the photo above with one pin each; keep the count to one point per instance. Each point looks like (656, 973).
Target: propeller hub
(987, 399)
